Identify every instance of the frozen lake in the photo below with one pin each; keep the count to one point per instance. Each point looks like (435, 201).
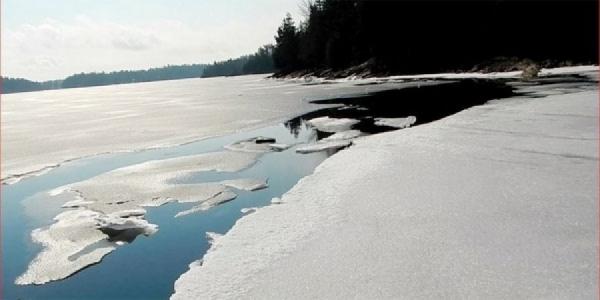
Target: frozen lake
(44, 129)
(71, 126)
(182, 114)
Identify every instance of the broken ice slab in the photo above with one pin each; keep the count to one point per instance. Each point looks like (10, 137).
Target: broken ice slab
(343, 135)
(327, 124)
(332, 145)
(396, 122)
(80, 238)
(221, 198)
(257, 144)
(246, 184)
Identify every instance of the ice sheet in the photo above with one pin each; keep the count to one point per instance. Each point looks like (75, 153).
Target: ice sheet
(130, 117)
(498, 201)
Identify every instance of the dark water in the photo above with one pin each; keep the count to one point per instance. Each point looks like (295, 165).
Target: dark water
(426, 102)
(148, 267)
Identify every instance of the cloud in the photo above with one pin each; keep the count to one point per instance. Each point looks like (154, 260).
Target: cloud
(55, 49)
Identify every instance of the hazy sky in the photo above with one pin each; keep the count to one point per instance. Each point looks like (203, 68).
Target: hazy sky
(51, 39)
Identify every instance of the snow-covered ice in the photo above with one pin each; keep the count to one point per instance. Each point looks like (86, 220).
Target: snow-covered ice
(257, 144)
(246, 184)
(146, 183)
(220, 198)
(78, 117)
(343, 135)
(115, 200)
(497, 201)
(323, 146)
(279, 146)
(327, 124)
(396, 122)
(130, 117)
(248, 210)
(76, 203)
(75, 241)
(335, 141)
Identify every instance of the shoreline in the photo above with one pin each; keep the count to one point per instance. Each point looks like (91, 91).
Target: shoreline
(366, 71)
(19, 172)
(522, 223)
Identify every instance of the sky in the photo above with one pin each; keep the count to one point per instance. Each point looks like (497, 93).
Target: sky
(52, 39)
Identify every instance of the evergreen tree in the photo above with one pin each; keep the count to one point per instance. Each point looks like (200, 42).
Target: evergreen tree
(285, 53)
(413, 36)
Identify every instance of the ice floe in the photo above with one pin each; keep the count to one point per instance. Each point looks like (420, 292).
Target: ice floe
(248, 210)
(343, 135)
(111, 208)
(151, 183)
(220, 198)
(76, 203)
(327, 124)
(279, 147)
(257, 144)
(396, 122)
(246, 184)
(324, 146)
(77, 239)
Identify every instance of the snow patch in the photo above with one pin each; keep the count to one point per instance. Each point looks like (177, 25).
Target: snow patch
(77, 240)
(257, 145)
(396, 122)
(343, 135)
(220, 198)
(245, 184)
(324, 146)
(327, 124)
(248, 210)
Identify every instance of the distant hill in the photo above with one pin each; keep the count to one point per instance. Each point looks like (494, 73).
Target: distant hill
(257, 63)
(153, 74)
(16, 85)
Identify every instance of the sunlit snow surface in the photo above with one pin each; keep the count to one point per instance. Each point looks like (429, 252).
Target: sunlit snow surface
(497, 201)
(73, 123)
(396, 122)
(112, 205)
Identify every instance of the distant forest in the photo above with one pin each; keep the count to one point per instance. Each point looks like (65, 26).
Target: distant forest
(257, 63)
(433, 36)
(370, 37)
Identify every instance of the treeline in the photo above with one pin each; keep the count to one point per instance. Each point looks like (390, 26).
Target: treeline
(433, 36)
(154, 74)
(258, 63)
(17, 85)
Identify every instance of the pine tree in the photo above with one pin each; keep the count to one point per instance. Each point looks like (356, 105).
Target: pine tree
(285, 54)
